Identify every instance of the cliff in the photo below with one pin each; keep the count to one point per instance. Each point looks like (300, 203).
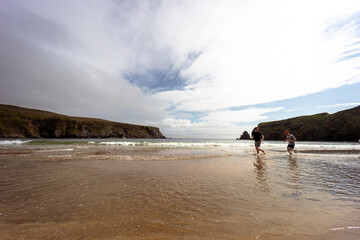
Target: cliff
(17, 122)
(340, 126)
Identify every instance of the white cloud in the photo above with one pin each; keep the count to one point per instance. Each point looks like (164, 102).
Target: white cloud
(217, 124)
(184, 128)
(239, 116)
(268, 51)
(340, 105)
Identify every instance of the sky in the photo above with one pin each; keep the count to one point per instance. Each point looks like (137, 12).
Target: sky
(193, 68)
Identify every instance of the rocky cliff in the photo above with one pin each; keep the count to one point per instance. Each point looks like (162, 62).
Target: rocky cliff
(17, 122)
(340, 126)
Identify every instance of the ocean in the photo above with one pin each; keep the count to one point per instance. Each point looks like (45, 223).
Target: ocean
(178, 189)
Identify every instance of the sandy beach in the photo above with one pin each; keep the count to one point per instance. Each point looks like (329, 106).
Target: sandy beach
(95, 191)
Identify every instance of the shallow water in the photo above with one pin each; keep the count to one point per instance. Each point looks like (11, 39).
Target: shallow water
(178, 189)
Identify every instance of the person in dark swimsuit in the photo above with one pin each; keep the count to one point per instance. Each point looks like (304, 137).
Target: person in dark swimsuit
(258, 137)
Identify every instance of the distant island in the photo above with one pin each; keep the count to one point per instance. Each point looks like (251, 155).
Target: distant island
(19, 122)
(340, 126)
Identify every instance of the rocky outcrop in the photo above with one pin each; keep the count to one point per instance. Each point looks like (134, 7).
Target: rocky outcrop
(244, 136)
(16, 122)
(340, 126)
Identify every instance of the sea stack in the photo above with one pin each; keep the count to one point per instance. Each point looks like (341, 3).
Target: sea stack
(244, 136)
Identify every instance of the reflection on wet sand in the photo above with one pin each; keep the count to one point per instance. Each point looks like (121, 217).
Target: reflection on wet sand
(294, 169)
(261, 174)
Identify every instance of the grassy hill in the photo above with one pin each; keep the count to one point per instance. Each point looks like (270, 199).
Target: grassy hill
(18, 122)
(340, 126)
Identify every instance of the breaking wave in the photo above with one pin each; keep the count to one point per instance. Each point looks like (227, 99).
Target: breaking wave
(167, 144)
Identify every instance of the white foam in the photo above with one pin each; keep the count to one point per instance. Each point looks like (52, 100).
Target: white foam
(317, 146)
(13, 142)
(171, 144)
(344, 228)
(118, 143)
(56, 150)
(61, 156)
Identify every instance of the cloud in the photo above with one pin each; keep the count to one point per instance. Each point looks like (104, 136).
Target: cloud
(184, 128)
(161, 62)
(34, 74)
(217, 124)
(340, 105)
(272, 54)
(239, 116)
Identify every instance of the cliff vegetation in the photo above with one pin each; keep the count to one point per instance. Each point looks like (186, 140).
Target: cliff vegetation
(340, 126)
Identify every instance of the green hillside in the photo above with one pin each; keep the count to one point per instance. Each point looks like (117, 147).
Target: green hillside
(340, 126)
(18, 122)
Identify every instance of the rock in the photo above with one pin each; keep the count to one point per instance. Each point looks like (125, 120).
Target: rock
(244, 136)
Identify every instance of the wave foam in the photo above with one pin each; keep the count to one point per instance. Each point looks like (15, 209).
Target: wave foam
(170, 144)
(13, 142)
(344, 228)
(56, 150)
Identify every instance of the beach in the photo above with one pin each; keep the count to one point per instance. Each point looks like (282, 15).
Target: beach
(178, 189)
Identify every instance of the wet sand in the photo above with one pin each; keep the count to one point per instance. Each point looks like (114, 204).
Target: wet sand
(142, 193)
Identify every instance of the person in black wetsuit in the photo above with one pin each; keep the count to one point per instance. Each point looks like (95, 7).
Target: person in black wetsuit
(258, 137)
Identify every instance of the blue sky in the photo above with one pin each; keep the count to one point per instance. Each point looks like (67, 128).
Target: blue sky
(193, 68)
(330, 101)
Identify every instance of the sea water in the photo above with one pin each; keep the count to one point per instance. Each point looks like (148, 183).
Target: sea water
(178, 189)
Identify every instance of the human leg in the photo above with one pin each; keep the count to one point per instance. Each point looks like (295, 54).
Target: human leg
(290, 148)
(257, 146)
